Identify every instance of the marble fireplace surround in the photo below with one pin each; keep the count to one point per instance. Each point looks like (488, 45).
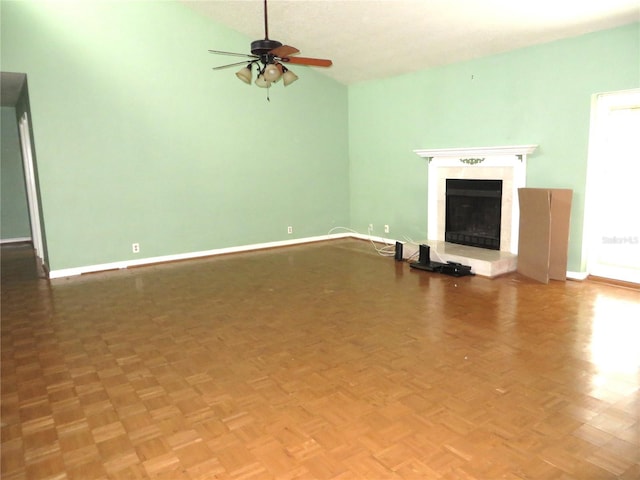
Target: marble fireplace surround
(506, 163)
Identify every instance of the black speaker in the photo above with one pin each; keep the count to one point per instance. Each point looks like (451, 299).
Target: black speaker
(425, 255)
(398, 255)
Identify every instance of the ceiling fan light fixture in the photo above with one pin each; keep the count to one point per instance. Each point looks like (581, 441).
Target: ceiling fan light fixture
(288, 77)
(245, 74)
(262, 82)
(271, 73)
(269, 57)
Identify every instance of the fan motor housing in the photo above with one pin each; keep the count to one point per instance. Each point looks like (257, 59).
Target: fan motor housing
(261, 47)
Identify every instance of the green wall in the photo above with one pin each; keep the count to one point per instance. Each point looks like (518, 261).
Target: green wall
(14, 211)
(538, 95)
(138, 140)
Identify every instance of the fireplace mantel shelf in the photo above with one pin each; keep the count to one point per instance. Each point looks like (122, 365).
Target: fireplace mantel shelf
(466, 152)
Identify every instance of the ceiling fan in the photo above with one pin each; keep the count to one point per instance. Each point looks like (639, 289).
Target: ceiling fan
(270, 57)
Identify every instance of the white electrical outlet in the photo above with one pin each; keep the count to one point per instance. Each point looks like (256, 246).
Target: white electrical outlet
(371, 227)
(289, 230)
(386, 229)
(135, 247)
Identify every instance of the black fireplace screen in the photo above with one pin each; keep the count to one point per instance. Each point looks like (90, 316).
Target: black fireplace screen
(473, 210)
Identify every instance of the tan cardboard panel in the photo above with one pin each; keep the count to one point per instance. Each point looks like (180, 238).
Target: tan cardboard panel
(560, 221)
(534, 237)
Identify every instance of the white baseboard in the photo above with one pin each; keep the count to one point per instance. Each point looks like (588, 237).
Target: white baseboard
(70, 272)
(362, 236)
(15, 240)
(577, 275)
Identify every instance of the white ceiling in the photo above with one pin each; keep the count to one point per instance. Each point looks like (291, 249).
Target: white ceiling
(371, 39)
(383, 38)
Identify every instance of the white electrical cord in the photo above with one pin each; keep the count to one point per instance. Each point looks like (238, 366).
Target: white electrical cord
(387, 251)
(438, 257)
(431, 251)
(341, 228)
(414, 254)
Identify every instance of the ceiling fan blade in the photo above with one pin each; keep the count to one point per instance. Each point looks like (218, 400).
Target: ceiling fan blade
(231, 65)
(218, 52)
(284, 51)
(314, 62)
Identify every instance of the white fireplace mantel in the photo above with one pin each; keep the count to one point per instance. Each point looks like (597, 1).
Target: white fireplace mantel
(466, 152)
(507, 163)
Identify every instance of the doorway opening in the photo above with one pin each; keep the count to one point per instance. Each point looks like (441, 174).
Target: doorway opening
(612, 228)
(14, 94)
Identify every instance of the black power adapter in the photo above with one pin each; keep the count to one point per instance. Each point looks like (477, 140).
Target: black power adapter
(398, 254)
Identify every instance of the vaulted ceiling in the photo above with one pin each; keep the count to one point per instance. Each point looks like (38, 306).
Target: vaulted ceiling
(382, 38)
(372, 39)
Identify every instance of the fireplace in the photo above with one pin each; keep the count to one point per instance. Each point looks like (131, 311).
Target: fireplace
(506, 163)
(473, 212)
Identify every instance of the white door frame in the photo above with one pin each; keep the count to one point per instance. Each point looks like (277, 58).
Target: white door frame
(31, 187)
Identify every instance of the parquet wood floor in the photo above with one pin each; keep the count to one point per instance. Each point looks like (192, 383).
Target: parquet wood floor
(320, 361)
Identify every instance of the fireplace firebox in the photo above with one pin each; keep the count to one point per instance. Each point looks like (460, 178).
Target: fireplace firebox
(473, 212)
